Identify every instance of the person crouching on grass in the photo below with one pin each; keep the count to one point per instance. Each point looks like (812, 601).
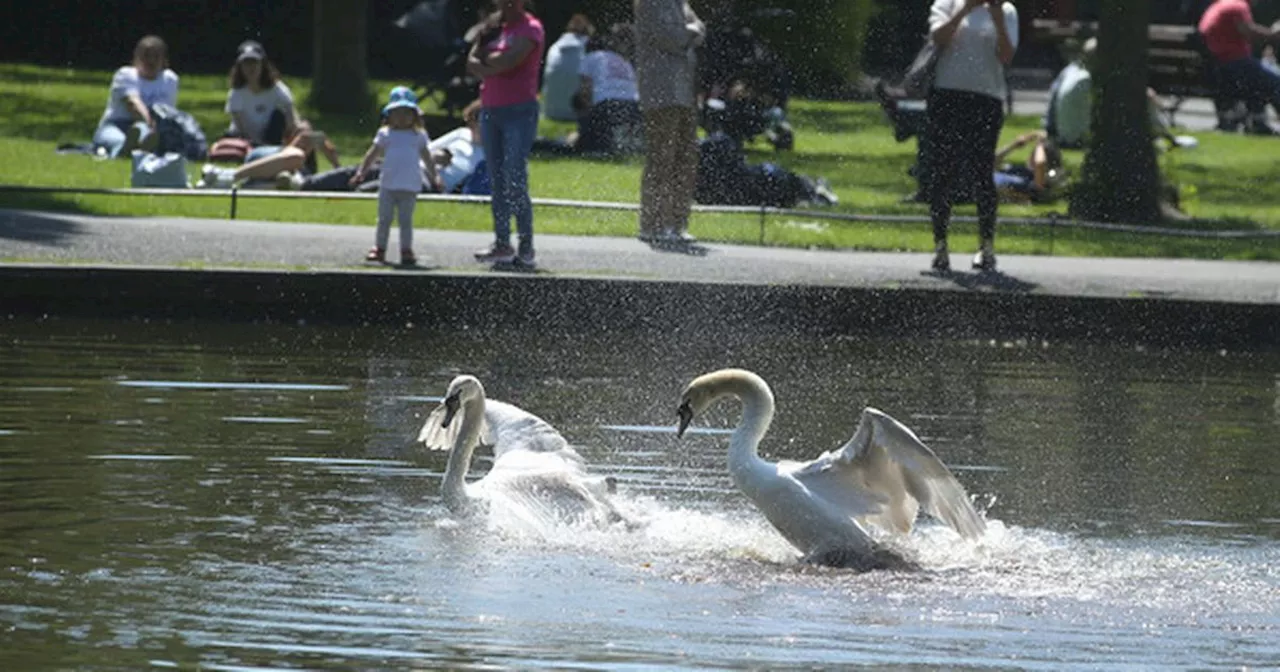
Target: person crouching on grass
(402, 143)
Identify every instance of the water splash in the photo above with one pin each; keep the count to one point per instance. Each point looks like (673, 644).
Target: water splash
(1009, 562)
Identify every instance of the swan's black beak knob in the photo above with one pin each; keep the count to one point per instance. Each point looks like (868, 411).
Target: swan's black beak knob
(451, 403)
(685, 412)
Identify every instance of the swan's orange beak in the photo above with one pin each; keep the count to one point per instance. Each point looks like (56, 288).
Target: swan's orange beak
(685, 412)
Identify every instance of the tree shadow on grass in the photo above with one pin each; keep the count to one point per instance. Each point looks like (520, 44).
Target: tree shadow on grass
(845, 119)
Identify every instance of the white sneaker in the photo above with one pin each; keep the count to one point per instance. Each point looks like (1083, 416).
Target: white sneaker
(289, 181)
(213, 177)
(672, 236)
(984, 260)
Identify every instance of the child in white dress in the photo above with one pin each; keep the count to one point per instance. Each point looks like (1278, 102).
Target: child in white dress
(402, 144)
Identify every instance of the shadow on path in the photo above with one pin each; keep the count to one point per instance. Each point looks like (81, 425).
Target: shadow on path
(984, 281)
(36, 228)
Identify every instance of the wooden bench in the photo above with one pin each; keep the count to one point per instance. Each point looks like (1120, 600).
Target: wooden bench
(1178, 67)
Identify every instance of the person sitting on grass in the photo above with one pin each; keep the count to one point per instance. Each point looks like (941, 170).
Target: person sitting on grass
(458, 156)
(607, 100)
(262, 108)
(127, 123)
(1035, 180)
(563, 62)
(1068, 117)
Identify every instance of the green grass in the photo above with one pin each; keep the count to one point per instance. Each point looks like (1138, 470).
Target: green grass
(1228, 182)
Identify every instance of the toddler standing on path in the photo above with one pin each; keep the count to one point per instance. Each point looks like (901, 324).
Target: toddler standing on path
(402, 144)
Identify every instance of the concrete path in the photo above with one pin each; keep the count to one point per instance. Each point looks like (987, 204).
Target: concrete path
(61, 239)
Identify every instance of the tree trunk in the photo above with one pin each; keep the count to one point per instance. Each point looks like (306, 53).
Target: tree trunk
(1120, 180)
(340, 78)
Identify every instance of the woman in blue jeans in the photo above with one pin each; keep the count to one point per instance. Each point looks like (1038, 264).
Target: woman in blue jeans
(507, 58)
(126, 122)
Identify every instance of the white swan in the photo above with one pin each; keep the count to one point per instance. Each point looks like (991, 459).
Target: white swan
(534, 470)
(881, 477)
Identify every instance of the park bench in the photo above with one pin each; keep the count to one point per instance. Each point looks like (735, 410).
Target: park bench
(1178, 66)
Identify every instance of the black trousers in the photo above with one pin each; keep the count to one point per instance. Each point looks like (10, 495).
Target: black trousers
(963, 130)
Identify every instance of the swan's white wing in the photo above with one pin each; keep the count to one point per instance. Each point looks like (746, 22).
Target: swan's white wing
(514, 428)
(886, 462)
(549, 487)
(436, 437)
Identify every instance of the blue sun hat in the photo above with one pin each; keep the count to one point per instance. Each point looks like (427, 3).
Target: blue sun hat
(401, 96)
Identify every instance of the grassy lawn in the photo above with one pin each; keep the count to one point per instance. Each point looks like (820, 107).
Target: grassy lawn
(1228, 182)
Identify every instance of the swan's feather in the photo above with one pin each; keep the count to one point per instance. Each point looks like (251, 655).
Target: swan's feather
(504, 428)
(536, 476)
(510, 428)
(885, 474)
(435, 436)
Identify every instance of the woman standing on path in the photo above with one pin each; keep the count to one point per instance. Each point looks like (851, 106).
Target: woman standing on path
(507, 59)
(667, 33)
(975, 39)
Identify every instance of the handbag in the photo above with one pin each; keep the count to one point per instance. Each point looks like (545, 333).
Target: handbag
(918, 79)
(230, 149)
(159, 170)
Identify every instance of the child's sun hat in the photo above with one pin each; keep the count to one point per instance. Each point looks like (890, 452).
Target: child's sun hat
(401, 96)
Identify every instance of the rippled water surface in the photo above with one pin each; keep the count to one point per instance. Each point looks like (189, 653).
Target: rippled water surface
(247, 497)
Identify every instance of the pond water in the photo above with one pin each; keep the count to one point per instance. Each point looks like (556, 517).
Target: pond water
(247, 497)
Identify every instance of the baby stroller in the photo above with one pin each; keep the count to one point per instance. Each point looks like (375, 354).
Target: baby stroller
(431, 34)
(746, 85)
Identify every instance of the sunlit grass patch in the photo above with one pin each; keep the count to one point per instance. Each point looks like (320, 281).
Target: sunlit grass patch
(1227, 181)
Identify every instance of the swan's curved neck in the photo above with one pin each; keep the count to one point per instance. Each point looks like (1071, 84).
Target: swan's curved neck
(757, 414)
(454, 487)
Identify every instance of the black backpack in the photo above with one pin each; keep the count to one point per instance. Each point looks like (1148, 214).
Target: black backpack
(179, 132)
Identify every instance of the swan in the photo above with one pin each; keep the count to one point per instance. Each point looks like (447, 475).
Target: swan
(882, 477)
(535, 471)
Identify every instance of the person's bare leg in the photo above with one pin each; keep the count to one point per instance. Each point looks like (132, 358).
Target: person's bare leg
(287, 159)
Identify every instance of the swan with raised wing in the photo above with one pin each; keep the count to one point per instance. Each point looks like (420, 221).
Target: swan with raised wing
(534, 468)
(882, 477)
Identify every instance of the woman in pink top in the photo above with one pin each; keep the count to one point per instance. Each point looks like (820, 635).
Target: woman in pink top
(1229, 33)
(507, 57)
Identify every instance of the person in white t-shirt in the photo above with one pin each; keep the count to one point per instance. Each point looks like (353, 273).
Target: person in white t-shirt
(263, 112)
(560, 74)
(608, 97)
(126, 122)
(404, 148)
(975, 40)
(459, 152)
(259, 102)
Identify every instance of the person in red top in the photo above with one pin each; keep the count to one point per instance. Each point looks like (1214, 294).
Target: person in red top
(507, 57)
(1229, 33)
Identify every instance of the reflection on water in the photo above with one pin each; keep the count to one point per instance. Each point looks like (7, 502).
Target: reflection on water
(246, 497)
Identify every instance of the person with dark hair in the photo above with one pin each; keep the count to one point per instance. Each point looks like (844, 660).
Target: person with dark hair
(975, 39)
(507, 56)
(259, 102)
(127, 122)
(263, 112)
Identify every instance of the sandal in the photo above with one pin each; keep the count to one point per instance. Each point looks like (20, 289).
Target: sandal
(376, 254)
(407, 259)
